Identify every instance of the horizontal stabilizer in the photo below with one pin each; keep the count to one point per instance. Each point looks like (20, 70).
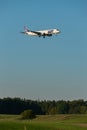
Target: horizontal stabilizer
(23, 32)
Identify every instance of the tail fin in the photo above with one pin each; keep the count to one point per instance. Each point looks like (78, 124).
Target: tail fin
(26, 29)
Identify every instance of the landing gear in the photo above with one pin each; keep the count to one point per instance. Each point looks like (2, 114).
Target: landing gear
(44, 35)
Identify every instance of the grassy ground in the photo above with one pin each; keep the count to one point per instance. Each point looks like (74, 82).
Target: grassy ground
(48, 122)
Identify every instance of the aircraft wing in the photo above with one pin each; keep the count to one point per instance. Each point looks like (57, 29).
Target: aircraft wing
(38, 33)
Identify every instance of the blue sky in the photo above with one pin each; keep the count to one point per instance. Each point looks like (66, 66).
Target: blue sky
(51, 68)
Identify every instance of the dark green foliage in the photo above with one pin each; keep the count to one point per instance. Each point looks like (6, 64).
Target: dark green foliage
(52, 111)
(77, 107)
(28, 114)
(63, 107)
(17, 105)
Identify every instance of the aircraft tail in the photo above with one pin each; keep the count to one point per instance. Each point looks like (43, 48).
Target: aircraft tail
(26, 29)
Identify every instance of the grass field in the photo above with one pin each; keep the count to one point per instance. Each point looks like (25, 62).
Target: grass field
(47, 122)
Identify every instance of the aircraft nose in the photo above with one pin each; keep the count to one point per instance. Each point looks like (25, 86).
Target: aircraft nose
(58, 31)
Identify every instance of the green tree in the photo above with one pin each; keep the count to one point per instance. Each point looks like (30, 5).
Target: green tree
(83, 110)
(52, 111)
(28, 114)
(62, 107)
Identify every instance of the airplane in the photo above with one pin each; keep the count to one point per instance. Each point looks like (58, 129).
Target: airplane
(43, 33)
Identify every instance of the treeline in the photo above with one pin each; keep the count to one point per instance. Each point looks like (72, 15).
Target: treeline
(17, 105)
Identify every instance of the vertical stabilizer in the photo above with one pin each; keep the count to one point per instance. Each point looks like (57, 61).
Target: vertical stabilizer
(26, 29)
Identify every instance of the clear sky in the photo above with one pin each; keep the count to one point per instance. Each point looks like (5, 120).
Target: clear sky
(51, 68)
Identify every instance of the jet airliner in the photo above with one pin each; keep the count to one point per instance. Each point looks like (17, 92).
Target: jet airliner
(43, 33)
